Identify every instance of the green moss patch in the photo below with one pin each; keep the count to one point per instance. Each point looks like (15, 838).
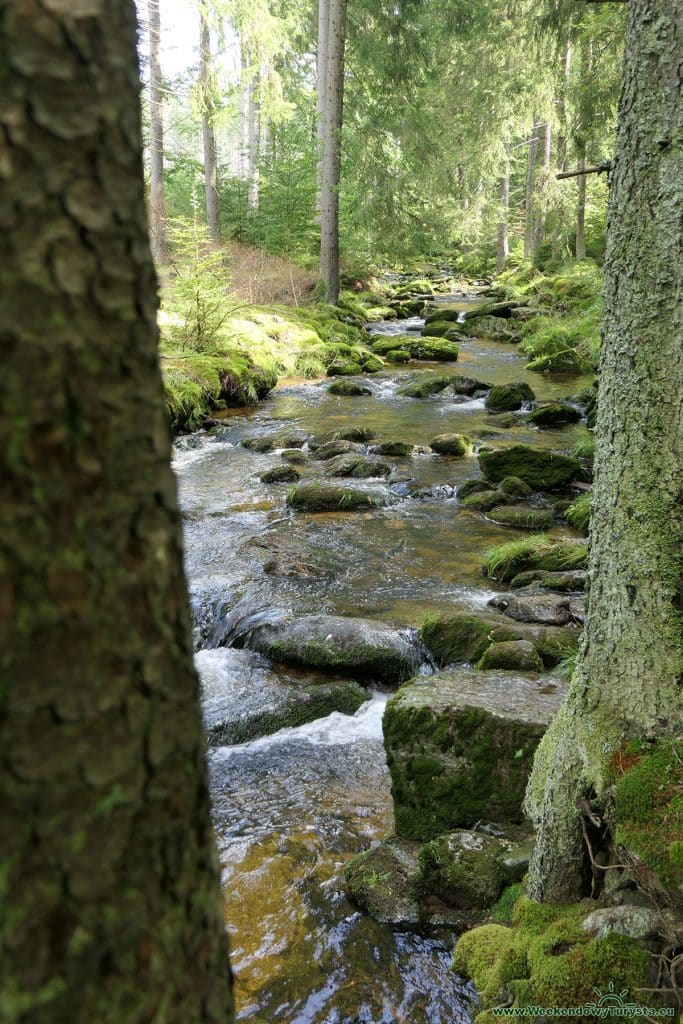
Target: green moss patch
(539, 468)
(538, 552)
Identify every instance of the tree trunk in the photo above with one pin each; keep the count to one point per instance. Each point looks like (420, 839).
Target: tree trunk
(562, 107)
(503, 249)
(254, 141)
(111, 904)
(331, 169)
(157, 206)
(580, 244)
(321, 95)
(627, 681)
(208, 133)
(539, 229)
(529, 200)
(244, 113)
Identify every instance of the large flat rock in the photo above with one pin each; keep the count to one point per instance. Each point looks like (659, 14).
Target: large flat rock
(460, 745)
(359, 648)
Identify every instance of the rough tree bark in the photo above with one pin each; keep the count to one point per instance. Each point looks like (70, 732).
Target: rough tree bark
(111, 906)
(628, 679)
(503, 247)
(529, 197)
(562, 106)
(157, 205)
(208, 132)
(321, 93)
(331, 164)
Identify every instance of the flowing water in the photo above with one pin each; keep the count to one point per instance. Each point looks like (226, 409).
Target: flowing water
(290, 809)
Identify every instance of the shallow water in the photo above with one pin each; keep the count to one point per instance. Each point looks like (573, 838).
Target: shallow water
(291, 809)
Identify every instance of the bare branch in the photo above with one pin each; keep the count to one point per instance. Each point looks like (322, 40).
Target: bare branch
(598, 169)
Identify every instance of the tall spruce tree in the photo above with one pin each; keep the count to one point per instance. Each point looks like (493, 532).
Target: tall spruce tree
(627, 683)
(111, 909)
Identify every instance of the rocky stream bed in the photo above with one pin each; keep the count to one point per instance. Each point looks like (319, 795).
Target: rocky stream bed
(334, 548)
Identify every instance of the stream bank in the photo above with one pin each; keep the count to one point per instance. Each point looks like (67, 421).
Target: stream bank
(293, 807)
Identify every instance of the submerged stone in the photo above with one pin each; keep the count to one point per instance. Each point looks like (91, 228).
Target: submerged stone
(541, 469)
(469, 385)
(426, 388)
(361, 648)
(507, 397)
(330, 449)
(319, 497)
(460, 745)
(397, 449)
(356, 466)
(483, 501)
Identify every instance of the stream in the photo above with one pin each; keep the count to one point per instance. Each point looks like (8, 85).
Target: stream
(291, 808)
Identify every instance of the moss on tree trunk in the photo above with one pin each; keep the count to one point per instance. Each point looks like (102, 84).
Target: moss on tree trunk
(111, 909)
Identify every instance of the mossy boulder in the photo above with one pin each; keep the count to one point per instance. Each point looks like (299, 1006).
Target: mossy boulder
(513, 487)
(473, 487)
(442, 314)
(546, 958)
(506, 561)
(342, 368)
(562, 581)
(357, 467)
(384, 345)
(348, 388)
(515, 655)
(439, 329)
(460, 746)
(451, 444)
(331, 449)
(383, 882)
(320, 497)
(541, 469)
(243, 697)
(260, 444)
(372, 364)
(483, 501)
(437, 350)
(398, 355)
(464, 869)
(507, 397)
(394, 449)
(360, 648)
(553, 414)
(522, 517)
(567, 360)
(294, 456)
(465, 636)
(426, 388)
(280, 475)
(469, 385)
(493, 327)
(358, 434)
(546, 608)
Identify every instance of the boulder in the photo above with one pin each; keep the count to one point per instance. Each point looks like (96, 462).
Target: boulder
(464, 869)
(280, 475)
(348, 389)
(342, 368)
(244, 698)
(293, 438)
(319, 497)
(562, 581)
(383, 345)
(451, 444)
(372, 364)
(395, 449)
(640, 923)
(398, 355)
(541, 469)
(514, 487)
(383, 881)
(469, 385)
(439, 329)
(356, 466)
(507, 397)
(356, 434)
(553, 414)
(294, 456)
(473, 487)
(330, 449)
(443, 315)
(503, 310)
(522, 517)
(516, 655)
(438, 350)
(483, 501)
(465, 636)
(260, 444)
(360, 648)
(460, 745)
(547, 609)
(426, 388)
(493, 327)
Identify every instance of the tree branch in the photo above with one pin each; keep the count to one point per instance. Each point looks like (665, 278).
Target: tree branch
(599, 168)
